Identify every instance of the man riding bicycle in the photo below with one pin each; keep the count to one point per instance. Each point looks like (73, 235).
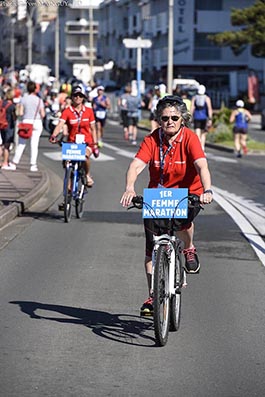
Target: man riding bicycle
(79, 119)
(176, 160)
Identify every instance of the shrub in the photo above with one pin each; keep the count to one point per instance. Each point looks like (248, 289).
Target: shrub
(222, 116)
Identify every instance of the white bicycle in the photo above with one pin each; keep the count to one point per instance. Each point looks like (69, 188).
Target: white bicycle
(168, 274)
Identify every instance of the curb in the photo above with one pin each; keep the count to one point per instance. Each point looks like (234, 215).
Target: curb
(11, 211)
(219, 147)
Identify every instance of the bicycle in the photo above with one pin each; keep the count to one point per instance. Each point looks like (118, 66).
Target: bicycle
(74, 185)
(168, 273)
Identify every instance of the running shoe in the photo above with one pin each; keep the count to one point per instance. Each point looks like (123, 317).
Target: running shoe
(245, 149)
(33, 168)
(192, 264)
(147, 308)
(10, 167)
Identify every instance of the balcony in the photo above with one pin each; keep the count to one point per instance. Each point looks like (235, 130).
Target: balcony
(80, 27)
(76, 54)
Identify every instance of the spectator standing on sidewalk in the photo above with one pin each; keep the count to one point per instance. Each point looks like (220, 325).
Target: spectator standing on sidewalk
(240, 117)
(201, 110)
(31, 109)
(8, 133)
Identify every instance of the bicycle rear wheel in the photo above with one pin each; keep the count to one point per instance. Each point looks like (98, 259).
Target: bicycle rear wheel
(80, 201)
(175, 304)
(67, 195)
(161, 296)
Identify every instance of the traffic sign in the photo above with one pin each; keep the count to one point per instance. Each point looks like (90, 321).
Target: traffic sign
(137, 43)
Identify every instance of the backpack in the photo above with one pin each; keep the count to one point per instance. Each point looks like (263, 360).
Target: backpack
(200, 101)
(3, 119)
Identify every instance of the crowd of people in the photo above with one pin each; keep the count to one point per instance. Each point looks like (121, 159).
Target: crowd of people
(44, 107)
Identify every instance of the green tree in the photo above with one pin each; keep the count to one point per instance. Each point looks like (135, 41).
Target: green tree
(252, 23)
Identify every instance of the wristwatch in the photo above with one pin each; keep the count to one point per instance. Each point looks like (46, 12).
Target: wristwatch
(208, 191)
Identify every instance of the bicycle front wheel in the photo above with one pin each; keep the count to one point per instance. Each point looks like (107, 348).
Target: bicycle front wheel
(67, 195)
(161, 296)
(79, 201)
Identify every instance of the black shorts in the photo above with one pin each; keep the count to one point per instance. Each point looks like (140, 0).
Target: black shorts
(159, 226)
(201, 124)
(124, 118)
(7, 136)
(101, 121)
(133, 121)
(242, 131)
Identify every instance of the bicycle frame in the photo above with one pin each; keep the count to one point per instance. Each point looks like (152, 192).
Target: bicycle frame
(74, 165)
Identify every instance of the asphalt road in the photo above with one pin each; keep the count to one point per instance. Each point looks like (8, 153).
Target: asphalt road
(70, 294)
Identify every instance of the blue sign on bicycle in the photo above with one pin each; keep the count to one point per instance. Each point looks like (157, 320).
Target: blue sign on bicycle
(165, 203)
(74, 151)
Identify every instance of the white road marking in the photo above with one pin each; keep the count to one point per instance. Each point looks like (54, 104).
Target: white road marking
(220, 158)
(254, 212)
(119, 151)
(244, 215)
(57, 156)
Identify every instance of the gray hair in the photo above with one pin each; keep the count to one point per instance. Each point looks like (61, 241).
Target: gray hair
(176, 102)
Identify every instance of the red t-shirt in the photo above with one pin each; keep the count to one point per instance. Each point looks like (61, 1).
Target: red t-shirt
(179, 170)
(79, 122)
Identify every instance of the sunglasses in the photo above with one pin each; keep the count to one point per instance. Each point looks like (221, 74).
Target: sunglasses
(80, 95)
(173, 118)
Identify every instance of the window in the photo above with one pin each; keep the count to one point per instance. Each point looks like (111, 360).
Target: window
(209, 5)
(204, 49)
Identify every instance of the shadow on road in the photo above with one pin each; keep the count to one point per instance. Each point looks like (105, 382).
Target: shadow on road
(122, 328)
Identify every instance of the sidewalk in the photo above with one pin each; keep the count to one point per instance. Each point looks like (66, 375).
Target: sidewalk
(20, 189)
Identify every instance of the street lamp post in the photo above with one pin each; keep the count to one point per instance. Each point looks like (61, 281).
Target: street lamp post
(12, 43)
(91, 45)
(57, 49)
(170, 46)
(29, 26)
(138, 43)
(30, 33)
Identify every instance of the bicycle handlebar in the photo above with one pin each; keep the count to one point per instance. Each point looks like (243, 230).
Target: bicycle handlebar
(138, 202)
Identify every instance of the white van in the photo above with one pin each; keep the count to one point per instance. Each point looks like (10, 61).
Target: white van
(188, 85)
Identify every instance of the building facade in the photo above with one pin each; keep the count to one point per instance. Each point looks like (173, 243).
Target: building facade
(194, 55)
(90, 38)
(64, 33)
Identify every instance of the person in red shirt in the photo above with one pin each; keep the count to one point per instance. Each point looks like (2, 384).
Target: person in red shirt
(176, 160)
(79, 119)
